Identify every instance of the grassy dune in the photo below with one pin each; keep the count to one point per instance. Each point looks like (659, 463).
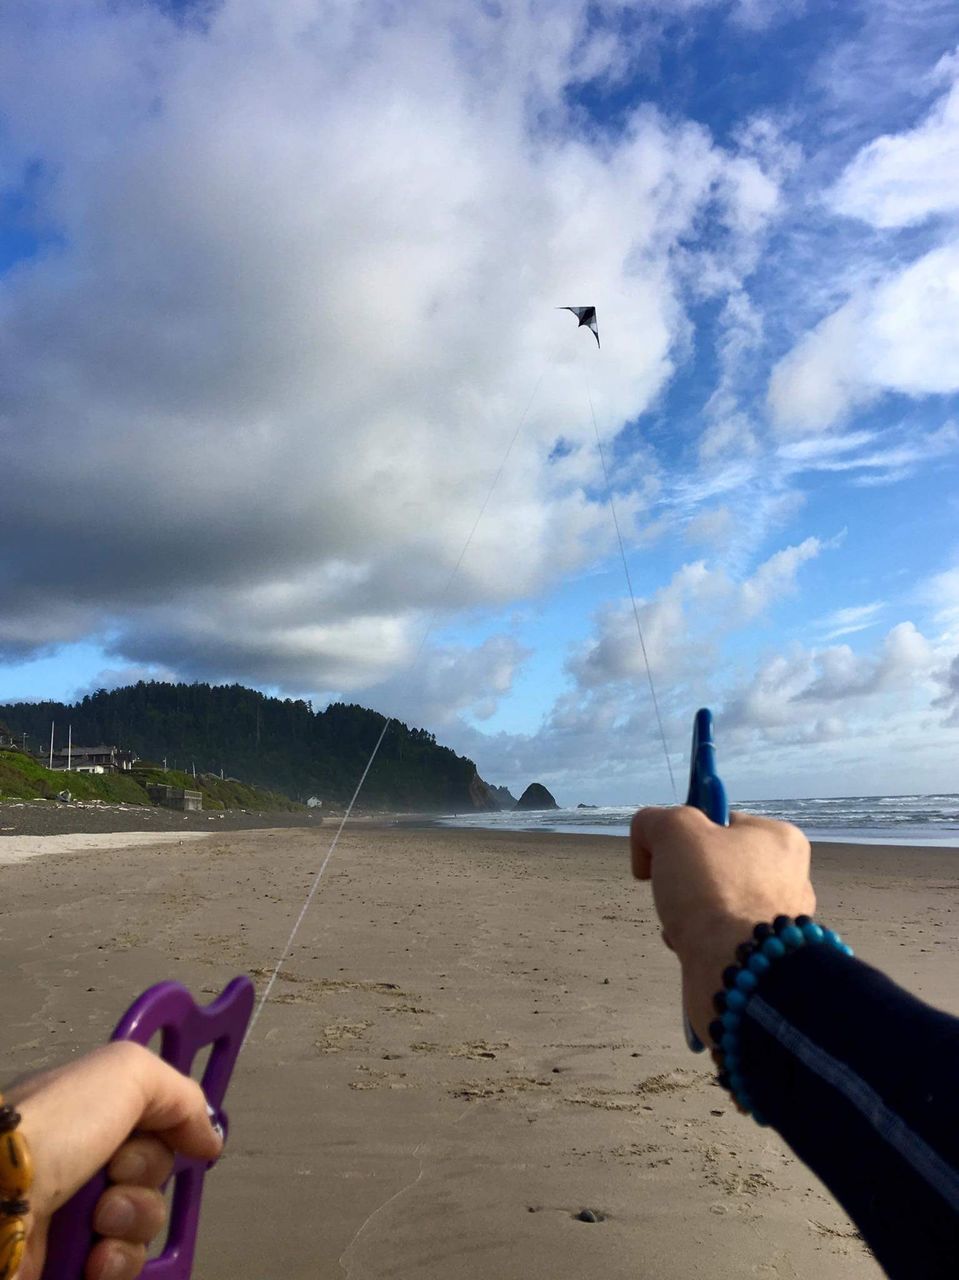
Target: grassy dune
(24, 778)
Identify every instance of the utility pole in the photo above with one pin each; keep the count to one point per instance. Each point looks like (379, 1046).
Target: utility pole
(69, 747)
(52, 726)
(24, 744)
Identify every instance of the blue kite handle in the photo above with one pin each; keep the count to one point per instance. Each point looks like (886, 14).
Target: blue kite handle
(706, 793)
(706, 790)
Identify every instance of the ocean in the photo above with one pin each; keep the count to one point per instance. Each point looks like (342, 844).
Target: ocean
(920, 820)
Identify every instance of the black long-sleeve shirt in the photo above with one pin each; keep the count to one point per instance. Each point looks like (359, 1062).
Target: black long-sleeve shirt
(862, 1081)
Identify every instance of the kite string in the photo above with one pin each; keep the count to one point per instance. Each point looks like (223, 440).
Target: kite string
(632, 596)
(314, 886)
(431, 624)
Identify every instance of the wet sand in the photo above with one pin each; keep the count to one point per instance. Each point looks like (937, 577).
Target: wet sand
(477, 1036)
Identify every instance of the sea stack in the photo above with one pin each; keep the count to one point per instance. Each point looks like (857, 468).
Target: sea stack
(536, 797)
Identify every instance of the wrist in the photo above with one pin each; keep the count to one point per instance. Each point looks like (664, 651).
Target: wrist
(704, 960)
(770, 944)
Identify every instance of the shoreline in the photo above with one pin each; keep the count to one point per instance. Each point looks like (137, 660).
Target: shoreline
(39, 819)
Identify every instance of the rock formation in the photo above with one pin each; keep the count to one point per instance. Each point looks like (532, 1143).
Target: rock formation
(505, 797)
(536, 797)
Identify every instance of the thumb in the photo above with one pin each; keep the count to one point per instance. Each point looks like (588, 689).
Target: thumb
(642, 833)
(77, 1116)
(176, 1110)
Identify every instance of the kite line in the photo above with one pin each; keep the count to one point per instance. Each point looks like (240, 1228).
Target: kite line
(430, 626)
(629, 585)
(586, 317)
(71, 1230)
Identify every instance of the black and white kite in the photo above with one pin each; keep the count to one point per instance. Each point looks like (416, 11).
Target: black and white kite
(587, 317)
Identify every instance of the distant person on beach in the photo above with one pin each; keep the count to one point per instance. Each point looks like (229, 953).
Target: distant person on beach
(858, 1076)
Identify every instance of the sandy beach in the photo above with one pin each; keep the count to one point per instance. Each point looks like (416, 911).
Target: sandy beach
(477, 1036)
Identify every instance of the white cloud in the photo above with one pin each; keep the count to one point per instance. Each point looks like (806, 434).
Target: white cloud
(305, 288)
(712, 528)
(901, 335)
(820, 379)
(729, 431)
(870, 714)
(882, 457)
(898, 328)
(838, 673)
(905, 178)
(949, 699)
(681, 622)
(452, 680)
(941, 594)
(119, 677)
(853, 618)
(817, 695)
(775, 578)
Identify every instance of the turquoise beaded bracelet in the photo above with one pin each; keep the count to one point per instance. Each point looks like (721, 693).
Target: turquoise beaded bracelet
(771, 942)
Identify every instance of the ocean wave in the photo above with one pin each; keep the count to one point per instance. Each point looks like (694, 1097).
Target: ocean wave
(912, 819)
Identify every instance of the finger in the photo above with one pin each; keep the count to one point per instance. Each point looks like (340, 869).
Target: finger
(99, 1100)
(174, 1105)
(115, 1260)
(142, 1162)
(131, 1214)
(642, 832)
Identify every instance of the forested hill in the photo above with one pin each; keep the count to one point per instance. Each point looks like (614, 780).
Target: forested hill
(276, 743)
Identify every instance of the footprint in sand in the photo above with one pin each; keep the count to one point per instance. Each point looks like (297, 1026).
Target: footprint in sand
(338, 1035)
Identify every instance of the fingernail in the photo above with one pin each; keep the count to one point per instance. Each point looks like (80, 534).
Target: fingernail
(116, 1217)
(116, 1267)
(214, 1122)
(129, 1166)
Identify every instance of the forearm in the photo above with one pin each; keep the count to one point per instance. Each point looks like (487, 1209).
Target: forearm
(830, 1049)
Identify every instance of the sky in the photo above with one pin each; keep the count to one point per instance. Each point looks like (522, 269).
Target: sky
(286, 398)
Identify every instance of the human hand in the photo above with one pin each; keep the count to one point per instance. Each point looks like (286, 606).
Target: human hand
(711, 884)
(122, 1107)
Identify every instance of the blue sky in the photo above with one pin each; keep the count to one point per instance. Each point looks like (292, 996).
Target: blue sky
(278, 291)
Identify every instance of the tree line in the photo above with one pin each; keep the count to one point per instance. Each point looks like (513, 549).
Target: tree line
(278, 743)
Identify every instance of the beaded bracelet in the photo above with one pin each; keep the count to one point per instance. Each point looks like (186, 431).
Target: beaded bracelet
(16, 1179)
(741, 980)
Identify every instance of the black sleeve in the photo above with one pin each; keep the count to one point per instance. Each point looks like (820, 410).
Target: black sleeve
(862, 1081)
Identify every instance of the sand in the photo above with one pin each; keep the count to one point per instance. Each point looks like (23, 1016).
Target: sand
(477, 1037)
(50, 817)
(18, 849)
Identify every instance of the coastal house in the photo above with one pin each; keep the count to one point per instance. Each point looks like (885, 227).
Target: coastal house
(6, 737)
(102, 759)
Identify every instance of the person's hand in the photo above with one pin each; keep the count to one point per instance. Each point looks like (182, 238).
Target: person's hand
(711, 884)
(121, 1107)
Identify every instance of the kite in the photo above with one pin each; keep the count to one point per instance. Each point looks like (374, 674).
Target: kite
(587, 317)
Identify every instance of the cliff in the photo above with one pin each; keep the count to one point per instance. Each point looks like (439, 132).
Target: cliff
(481, 795)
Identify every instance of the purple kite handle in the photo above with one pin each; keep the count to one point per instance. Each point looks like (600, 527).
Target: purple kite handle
(186, 1028)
